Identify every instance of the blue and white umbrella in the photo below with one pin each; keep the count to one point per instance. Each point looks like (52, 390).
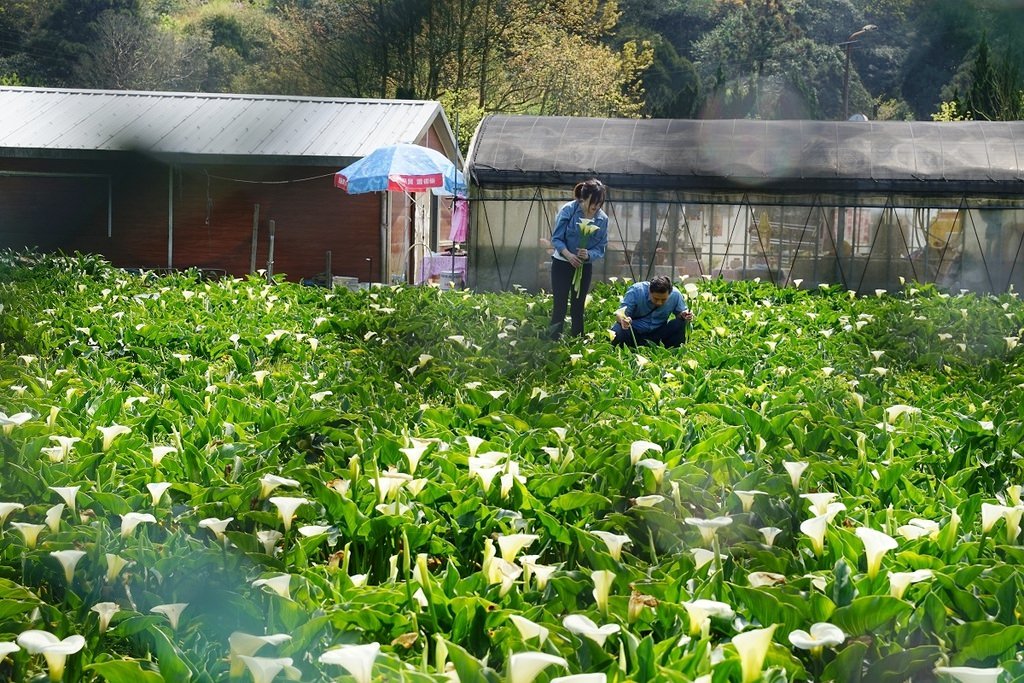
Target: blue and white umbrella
(402, 168)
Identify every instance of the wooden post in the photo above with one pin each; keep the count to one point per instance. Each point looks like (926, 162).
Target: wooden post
(270, 254)
(255, 237)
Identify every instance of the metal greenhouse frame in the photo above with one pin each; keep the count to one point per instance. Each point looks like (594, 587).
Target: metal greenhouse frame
(868, 205)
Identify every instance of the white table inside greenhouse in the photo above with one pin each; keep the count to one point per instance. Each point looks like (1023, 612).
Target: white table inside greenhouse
(435, 265)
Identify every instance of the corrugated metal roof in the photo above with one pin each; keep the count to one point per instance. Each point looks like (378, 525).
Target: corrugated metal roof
(923, 157)
(46, 122)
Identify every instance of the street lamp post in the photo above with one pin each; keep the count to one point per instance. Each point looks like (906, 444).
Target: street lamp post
(847, 46)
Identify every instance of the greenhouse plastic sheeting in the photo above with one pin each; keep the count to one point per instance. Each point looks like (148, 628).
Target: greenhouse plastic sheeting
(920, 157)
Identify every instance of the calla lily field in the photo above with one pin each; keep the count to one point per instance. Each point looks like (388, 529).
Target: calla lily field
(252, 481)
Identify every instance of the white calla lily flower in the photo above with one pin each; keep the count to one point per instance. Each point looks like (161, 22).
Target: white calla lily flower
(700, 620)
(172, 611)
(115, 564)
(269, 482)
(893, 413)
(971, 674)
(822, 635)
(473, 443)
(157, 490)
(30, 532)
(900, 581)
(614, 543)
(540, 572)
(583, 626)
(713, 608)
(130, 520)
(815, 529)
(7, 508)
(709, 527)
(512, 544)
(357, 660)
(268, 538)
(752, 647)
(876, 545)
(529, 629)
(795, 471)
(770, 533)
(656, 467)
(68, 559)
(53, 649)
(637, 449)
(216, 526)
(279, 584)
(499, 571)
(703, 556)
(747, 497)
(158, 453)
(819, 502)
(53, 515)
(65, 443)
(389, 483)
(1013, 517)
(603, 580)
(918, 528)
(1013, 494)
(414, 454)
(106, 611)
(112, 432)
(524, 667)
(68, 494)
(990, 514)
(486, 475)
(286, 508)
(245, 644)
(266, 669)
(9, 422)
(53, 453)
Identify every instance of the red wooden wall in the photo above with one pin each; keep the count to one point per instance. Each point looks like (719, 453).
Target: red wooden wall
(213, 216)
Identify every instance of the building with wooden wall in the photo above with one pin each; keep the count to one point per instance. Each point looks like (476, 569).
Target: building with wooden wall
(180, 180)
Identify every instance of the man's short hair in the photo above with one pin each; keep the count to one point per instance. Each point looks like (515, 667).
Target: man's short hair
(661, 284)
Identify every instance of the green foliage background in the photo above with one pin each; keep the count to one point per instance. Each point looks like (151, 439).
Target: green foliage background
(675, 59)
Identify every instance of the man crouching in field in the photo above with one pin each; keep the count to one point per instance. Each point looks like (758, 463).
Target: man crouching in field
(643, 317)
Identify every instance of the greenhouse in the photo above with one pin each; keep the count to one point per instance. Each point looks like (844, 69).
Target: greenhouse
(864, 204)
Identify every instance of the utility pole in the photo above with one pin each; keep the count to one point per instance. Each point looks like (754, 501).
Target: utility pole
(847, 45)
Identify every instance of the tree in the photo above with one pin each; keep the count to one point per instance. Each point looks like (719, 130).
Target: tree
(756, 63)
(552, 65)
(995, 89)
(515, 55)
(239, 36)
(130, 53)
(18, 21)
(63, 35)
(671, 84)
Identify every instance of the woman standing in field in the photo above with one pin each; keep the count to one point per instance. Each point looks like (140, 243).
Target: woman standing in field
(579, 238)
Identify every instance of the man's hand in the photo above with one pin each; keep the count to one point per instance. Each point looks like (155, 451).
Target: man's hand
(625, 322)
(687, 315)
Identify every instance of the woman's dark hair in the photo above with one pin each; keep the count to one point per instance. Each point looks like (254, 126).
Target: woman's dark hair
(661, 284)
(592, 189)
